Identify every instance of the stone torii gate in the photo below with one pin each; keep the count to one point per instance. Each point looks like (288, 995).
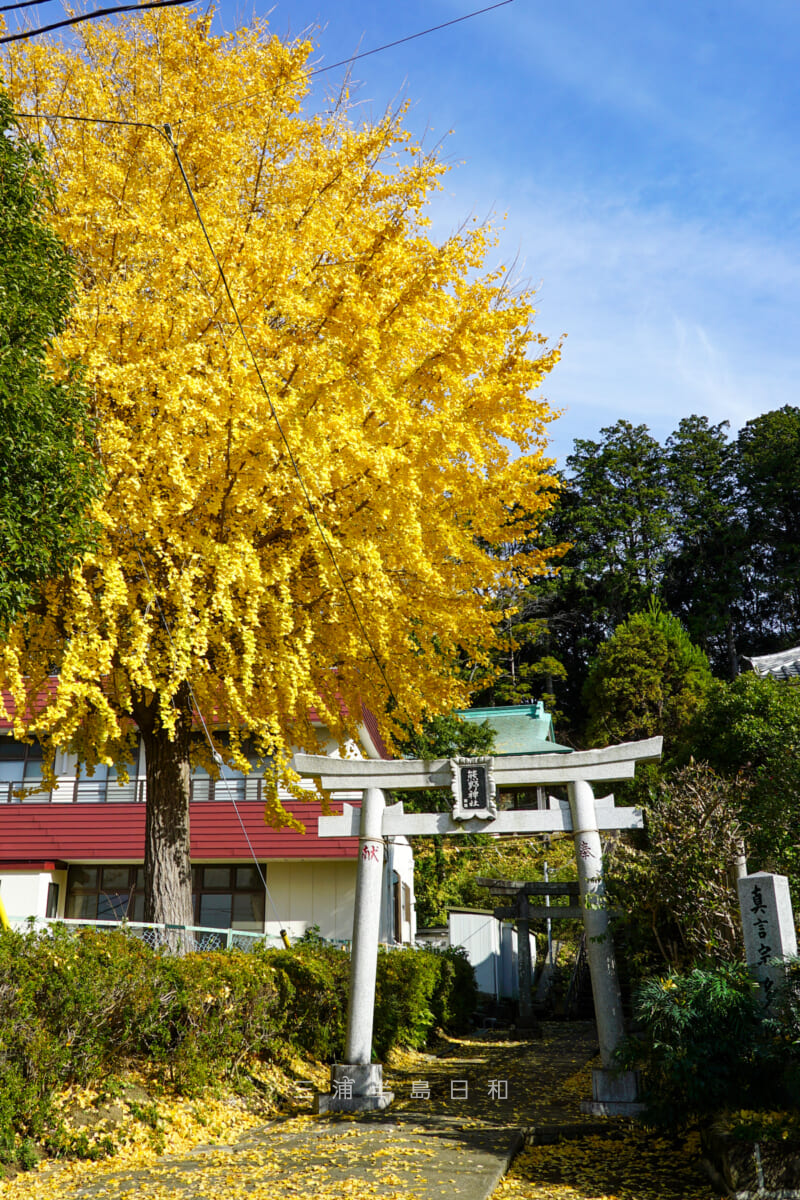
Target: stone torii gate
(357, 1084)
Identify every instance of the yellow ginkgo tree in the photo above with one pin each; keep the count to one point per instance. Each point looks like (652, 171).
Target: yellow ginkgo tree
(400, 371)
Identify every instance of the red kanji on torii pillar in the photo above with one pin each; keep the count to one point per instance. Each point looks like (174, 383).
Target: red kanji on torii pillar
(473, 783)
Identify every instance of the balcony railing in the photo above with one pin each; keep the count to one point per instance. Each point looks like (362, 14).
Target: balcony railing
(108, 791)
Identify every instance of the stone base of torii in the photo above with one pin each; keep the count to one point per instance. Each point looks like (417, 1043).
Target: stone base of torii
(357, 1084)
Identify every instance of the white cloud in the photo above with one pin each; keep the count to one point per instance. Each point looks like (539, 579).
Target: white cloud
(665, 317)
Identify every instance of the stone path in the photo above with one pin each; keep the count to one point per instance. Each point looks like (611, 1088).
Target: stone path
(488, 1096)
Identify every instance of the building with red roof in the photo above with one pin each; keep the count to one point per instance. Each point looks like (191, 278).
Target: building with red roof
(77, 852)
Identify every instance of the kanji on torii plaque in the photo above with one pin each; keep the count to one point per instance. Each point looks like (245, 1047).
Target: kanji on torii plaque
(582, 816)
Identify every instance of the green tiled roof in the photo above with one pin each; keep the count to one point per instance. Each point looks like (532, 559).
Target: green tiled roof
(519, 728)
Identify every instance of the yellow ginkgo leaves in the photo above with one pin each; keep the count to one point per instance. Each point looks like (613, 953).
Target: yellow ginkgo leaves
(402, 371)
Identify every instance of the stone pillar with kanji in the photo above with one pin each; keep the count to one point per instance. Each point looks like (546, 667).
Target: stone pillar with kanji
(769, 931)
(614, 1092)
(357, 1083)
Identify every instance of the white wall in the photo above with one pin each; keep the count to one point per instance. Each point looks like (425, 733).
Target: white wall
(478, 933)
(25, 893)
(312, 893)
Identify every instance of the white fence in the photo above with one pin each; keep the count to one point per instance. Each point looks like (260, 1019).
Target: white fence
(189, 937)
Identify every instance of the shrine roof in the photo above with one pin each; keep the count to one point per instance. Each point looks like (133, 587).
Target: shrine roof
(783, 665)
(518, 728)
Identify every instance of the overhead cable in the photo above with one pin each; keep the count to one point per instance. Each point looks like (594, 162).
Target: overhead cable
(91, 16)
(345, 62)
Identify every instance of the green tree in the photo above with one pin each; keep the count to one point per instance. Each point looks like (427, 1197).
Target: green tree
(751, 727)
(648, 679)
(617, 515)
(769, 477)
(705, 568)
(48, 469)
(613, 510)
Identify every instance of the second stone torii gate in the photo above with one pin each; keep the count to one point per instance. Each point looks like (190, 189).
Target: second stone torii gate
(357, 1084)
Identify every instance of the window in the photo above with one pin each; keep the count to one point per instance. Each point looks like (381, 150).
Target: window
(231, 783)
(224, 896)
(521, 798)
(103, 785)
(228, 897)
(107, 893)
(20, 765)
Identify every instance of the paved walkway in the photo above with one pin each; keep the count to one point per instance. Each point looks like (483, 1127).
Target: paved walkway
(460, 1116)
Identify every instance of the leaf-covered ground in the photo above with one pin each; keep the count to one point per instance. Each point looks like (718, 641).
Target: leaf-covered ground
(426, 1146)
(633, 1166)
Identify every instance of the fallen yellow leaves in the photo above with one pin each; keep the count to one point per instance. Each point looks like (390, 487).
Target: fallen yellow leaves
(636, 1166)
(217, 1150)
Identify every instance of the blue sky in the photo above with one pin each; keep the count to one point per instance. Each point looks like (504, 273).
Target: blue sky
(643, 160)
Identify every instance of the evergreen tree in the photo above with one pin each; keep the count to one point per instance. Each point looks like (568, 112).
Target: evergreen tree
(769, 479)
(648, 679)
(48, 470)
(614, 513)
(704, 576)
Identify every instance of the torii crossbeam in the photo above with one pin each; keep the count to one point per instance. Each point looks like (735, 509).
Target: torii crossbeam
(473, 783)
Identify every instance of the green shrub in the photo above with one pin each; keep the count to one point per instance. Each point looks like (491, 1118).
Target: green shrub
(455, 997)
(313, 987)
(705, 1046)
(76, 1005)
(418, 990)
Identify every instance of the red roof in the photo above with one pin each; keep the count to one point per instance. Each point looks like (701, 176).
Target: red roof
(115, 832)
(44, 696)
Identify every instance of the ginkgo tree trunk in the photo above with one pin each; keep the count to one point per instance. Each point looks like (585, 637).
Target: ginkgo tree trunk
(402, 371)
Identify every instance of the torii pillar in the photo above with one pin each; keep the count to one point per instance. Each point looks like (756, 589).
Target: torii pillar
(357, 1084)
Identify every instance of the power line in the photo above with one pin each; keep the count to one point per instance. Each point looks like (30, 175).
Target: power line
(91, 16)
(345, 62)
(411, 37)
(24, 4)
(166, 133)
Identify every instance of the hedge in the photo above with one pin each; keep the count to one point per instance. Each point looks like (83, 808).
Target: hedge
(76, 1006)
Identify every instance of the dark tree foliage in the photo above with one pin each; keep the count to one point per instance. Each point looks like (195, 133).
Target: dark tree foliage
(708, 526)
(704, 581)
(616, 514)
(48, 471)
(613, 511)
(769, 481)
